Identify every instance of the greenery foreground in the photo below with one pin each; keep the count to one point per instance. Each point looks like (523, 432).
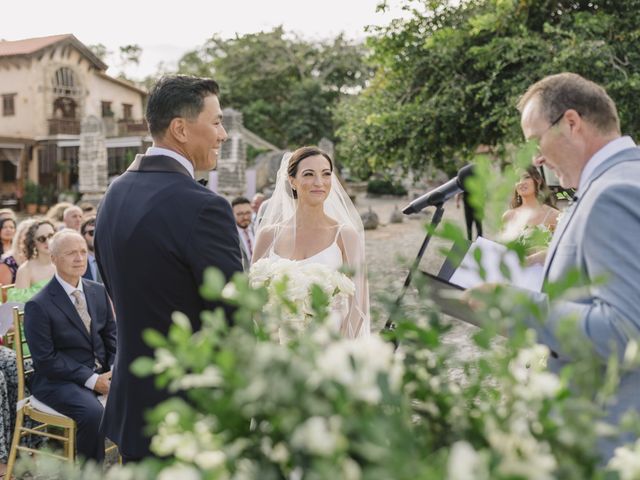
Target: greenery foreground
(322, 407)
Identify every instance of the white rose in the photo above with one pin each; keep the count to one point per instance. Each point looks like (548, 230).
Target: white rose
(210, 460)
(465, 464)
(626, 461)
(183, 472)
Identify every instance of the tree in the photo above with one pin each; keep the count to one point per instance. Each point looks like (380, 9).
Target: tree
(100, 51)
(448, 78)
(286, 87)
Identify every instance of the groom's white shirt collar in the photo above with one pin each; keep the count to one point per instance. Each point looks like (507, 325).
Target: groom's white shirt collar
(175, 155)
(609, 150)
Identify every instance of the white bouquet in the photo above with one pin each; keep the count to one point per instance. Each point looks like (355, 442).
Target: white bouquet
(299, 278)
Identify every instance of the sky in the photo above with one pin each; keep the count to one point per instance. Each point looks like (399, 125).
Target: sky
(165, 33)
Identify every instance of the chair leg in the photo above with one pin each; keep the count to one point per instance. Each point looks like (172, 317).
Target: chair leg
(15, 441)
(71, 454)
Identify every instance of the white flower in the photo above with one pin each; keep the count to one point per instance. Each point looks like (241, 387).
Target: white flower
(210, 377)
(299, 279)
(178, 470)
(521, 454)
(210, 460)
(465, 463)
(351, 470)
(533, 382)
(356, 364)
(164, 360)
(318, 436)
(626, 461)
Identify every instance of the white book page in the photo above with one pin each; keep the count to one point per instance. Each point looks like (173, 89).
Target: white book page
(467, 275)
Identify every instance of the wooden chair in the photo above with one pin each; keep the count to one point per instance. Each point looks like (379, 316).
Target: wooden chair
(4, 291)
(36, 410)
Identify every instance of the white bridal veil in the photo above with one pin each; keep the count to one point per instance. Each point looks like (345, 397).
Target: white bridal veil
(276, 233)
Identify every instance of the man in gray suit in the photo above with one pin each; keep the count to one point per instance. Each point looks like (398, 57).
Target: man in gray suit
(577, 129)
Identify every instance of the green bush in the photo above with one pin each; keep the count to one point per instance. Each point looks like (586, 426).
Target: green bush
(31, 193)
(382, 186)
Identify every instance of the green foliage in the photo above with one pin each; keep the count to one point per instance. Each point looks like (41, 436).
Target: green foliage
(448, 77)
(321, 406)
(31, 193)
(383, 186)
(286, 87)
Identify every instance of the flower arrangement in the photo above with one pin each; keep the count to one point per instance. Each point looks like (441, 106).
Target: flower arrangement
(290, 286)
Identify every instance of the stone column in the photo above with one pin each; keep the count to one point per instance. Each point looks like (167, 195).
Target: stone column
(92, 164)
(232, 163)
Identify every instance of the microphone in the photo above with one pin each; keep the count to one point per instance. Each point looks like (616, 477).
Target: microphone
(441, 194)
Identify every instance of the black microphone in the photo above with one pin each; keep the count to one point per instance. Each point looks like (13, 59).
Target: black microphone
(441, 194)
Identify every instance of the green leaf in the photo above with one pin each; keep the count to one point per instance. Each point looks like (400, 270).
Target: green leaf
(213, 284)
(153, 338)
(142, 366)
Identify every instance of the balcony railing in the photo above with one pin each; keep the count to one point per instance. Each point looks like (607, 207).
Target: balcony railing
(120, 128)
(132, 127)
(64, 126)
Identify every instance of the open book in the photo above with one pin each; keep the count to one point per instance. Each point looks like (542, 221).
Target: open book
(493, 254)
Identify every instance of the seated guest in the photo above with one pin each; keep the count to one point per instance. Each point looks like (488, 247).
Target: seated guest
(87, 230)
(72, 218)
(88, 209)
(36, 272)
(70, 330)
(56, 212)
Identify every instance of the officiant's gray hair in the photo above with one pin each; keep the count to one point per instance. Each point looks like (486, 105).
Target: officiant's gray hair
(177, 96)
(60, 237)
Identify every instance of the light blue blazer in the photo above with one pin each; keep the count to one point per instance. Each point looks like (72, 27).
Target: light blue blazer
(600, 235)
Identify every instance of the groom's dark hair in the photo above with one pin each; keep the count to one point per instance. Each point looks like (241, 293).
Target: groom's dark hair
(177, 96)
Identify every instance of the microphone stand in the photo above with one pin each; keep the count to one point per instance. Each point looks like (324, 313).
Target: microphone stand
(435, 221)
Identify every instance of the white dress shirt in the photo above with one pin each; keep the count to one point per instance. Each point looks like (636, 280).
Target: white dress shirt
(608, 151)
(69, 289)
(175, 155)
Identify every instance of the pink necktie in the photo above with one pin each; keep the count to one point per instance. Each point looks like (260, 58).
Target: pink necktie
(249, 246)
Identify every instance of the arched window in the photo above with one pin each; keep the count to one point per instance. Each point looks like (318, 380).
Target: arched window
(65, 83)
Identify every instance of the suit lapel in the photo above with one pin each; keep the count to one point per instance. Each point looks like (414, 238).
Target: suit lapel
(60, 298)
(631, 154)
(557, 236)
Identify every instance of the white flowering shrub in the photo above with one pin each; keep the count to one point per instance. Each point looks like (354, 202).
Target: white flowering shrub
(248, 406)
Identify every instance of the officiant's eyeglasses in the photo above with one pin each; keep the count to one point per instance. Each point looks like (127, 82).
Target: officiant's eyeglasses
(44, 238)
(553, 124)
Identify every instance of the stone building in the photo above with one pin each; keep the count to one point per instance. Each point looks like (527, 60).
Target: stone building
(50, 87)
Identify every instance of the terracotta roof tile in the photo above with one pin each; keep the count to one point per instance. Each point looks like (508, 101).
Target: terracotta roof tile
(29, 45)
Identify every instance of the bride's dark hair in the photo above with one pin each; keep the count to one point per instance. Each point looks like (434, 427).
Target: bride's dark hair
(299, 155)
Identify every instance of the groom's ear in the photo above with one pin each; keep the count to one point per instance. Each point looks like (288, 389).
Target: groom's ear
(177, 129)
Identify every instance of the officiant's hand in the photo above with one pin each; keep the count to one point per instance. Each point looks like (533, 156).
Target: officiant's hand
(474, 296)
(103, 383)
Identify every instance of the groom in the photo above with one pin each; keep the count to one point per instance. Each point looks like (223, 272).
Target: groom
(156, 232)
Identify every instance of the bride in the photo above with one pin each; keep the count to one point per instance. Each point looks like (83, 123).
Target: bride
(311, 220)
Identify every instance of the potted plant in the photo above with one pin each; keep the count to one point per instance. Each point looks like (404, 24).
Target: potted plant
(30, 198)
(44, 198)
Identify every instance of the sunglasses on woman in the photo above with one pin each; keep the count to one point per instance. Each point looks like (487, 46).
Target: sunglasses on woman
(44, 238)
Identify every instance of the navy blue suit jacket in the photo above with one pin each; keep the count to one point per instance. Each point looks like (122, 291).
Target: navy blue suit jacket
(156, 232)
(62, 349)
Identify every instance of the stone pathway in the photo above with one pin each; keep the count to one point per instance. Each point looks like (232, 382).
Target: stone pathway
(391, 248)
